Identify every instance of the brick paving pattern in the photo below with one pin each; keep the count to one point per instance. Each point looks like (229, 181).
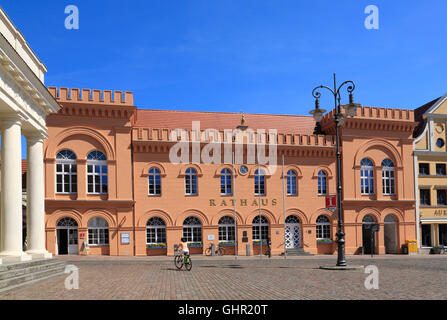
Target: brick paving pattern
(244, 279)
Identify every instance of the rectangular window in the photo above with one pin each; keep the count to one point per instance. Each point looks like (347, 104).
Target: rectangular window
(426, 235)
(66, 178)
(424, 169)
(97, 179)
(259, 185)
(440, 169)
(441, 197)
(442, 234)
(291, 186)
(425, 197)
(323, 231)
(367, 181)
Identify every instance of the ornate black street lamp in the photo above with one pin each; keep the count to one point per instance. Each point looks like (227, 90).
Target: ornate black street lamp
(339, 117)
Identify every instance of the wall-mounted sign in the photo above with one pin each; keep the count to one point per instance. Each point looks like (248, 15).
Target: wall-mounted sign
(331, 202)
(125, 238)
(82, 235)
(211, 237)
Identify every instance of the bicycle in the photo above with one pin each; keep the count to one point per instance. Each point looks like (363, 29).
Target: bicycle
(219, 251)
(181, 260)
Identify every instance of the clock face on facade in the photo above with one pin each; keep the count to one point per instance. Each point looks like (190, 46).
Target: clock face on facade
(243, 170)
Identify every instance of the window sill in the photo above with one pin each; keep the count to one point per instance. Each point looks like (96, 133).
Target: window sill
(98, 245)
(154, 195)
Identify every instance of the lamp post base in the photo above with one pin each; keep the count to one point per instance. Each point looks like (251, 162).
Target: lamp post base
(342, 267)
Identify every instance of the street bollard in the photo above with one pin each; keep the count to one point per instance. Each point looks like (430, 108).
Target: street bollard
(248, 250)
(213, 249)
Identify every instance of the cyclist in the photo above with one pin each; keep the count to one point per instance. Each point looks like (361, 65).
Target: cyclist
(183, 248)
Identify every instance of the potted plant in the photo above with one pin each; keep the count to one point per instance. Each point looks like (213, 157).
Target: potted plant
(195, 244)
(322, 241)
(227, 243)
(156, 246)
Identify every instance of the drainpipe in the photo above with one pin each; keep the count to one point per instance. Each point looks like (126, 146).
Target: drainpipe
(133, 196)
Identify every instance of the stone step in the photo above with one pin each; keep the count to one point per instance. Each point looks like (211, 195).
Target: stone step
(21, 280)
(15, 272)
(297, 252)
(22, 265)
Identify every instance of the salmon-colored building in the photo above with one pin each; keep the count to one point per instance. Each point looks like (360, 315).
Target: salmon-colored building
(112, 186)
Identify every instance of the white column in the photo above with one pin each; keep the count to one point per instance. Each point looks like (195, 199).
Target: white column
(11, 219)
(35, 210)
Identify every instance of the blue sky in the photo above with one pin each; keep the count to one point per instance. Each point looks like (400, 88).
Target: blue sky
(257, 56)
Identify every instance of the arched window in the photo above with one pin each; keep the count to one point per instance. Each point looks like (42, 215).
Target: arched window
(192, 229)
(225, 182)
(155, 231)
(97, 180)
(67, 222)
(367, 176)
(154, 180)
(227, 229)
(260, 228)
(66, 172)
(322, 183)
(388, 177)
(291, 183)
(323, 227)
(259, 183)
(98, 232)
(191, 182)
(368, 219)
(292, 220)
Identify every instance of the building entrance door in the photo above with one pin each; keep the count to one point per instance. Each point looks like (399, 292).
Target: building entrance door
(62, 241)
(368, 246)
(390, 233)
(67, 236)
(293, 233)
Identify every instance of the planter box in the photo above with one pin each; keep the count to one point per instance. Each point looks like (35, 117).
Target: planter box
(227, 244)
(195, 245)
(258, 243)
(156, 246)
(325, 241)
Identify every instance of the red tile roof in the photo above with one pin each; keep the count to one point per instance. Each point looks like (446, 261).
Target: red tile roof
(24, 166)
(170, 119)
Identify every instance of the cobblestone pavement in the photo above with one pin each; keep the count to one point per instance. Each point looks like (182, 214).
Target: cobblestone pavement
(244, 279)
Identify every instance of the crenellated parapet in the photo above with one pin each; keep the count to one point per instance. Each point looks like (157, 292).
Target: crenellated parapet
(373, 118)
(92, 96)
(159, 140)
(99, 104)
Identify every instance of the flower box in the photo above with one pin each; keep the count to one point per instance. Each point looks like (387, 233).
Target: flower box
(195, 245)
(156, 246)
(258, 242)
(227, 244)
(327, 241)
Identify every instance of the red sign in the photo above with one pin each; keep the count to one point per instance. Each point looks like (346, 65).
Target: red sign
(331, 202)
(82, 235)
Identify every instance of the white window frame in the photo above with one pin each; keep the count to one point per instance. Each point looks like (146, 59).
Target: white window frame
(156, 228)
(227, 230)
(260, 186)
(260, 228)
(67, 174)
(192, 175)
(291, 179)
(388, 178)
(367, 179)
(193, 228)
(101, 164)
(154, 175)
(322, 176)
(226, 183)
(101, 233)
(323, 228)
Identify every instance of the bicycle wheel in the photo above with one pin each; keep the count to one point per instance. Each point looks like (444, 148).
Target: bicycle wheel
(221, 251)
(208, 252)
(188, 266)
(178, 260)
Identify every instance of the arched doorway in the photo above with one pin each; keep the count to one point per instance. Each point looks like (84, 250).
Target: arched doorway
(369, 237)
(293, 235)
(67, 236)
(390, 234)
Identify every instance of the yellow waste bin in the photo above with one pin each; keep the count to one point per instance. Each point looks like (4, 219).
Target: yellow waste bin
(412, 246)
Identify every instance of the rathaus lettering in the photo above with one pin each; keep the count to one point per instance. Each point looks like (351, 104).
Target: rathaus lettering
(242, 202)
